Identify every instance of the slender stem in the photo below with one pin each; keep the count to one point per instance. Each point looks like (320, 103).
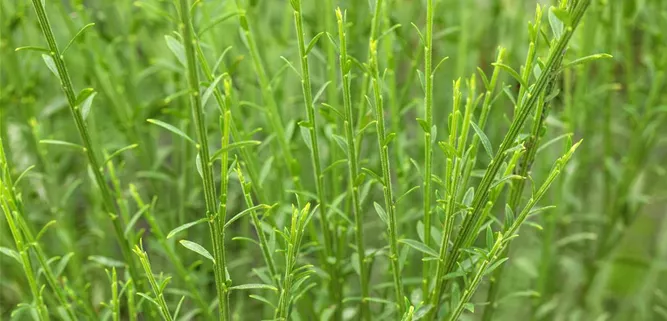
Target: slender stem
(428, 146)
(9, 208)
(97, 170)
(504, 239)
(157, 289)
(263, 242)
(353, 167)
(266, 88)
(216, 215)
(335, 285)
(390, 206)
(467, 232)
(168, 248)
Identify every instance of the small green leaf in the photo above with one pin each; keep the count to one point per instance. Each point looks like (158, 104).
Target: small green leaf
(118, 152)
(562, 15)
(313, 42)
(448, 149)
(87, 103)
(512, 73)
(381, 213)
(489, 237)
(236, 145)
(360, 179)
(262, 299)
(171, 128)
(291, 66)
(587, 59)
(23, 174)
(468, 196)
(342, 143)
(48, 60)
(509, 216)
(504, 179)
(252, 286)
(245, 212)
(105, 261)
(438, 65)
(574, 238)
(421, 312)
(483, 139)
(495, 265)
(421, 37)
(419, 246)
(555, 23)
(176, 47)
(198, 164)
(320, 92)
(485, 79)
(305, 134)
(134, 219)
(61, 143)
(78, 34)
(424, 125)
(11, 253)
(194, 247)
(44, 229)
(373, 174)
(209, 90)
(62, 264)
(32, 48)
(387, 140)
(185, 227)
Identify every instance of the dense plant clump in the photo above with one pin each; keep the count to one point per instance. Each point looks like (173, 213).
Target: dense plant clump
(333, 160)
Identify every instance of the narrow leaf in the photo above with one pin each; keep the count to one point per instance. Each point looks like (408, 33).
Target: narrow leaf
(87, 103)
(483, 139)
(236, 145)
(176, 47)
(209, 90)
(171, 128)
(78, 34)
(185, 227)
(254, 286)
(419, 246)
(61, 143)
(381, 213)
(48, 60)
(194, 247)
(313, 42)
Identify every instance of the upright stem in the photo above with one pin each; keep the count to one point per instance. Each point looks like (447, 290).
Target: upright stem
(216, 215)
(383, 144)
(315, 152)
(473, 219)
(428, 148)
(9, 207)
(96, 169)
(266, 88)
(353, 167)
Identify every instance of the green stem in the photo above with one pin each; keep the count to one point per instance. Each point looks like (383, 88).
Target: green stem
(428, 146)
(353, 166)
(335, 285)
(266, 88)
(467, 232)
(216, 215)
(390, 205)
(68, 89)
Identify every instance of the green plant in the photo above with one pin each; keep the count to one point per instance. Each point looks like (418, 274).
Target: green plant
(243, 145)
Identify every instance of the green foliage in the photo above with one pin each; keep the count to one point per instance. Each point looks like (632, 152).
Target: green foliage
(275, 160)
